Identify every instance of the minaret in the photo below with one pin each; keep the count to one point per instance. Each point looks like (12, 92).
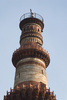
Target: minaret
(30, 61)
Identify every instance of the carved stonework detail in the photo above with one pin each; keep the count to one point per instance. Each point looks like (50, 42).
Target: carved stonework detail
(34, 37)
(31, 20)
(31, 27)
(30, 50)
(31, 32)
(31, 35)
(37, 92)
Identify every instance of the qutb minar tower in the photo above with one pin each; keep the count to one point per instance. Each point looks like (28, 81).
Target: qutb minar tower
(30, 61)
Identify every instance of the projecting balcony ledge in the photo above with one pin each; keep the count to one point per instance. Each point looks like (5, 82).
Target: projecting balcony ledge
(30, 50)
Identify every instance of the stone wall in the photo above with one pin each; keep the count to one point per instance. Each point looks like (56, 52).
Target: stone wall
(30, 71)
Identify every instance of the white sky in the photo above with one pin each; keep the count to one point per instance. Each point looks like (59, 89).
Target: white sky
(54, 34)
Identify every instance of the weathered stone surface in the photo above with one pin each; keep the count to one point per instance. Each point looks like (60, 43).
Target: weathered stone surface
(30, 72)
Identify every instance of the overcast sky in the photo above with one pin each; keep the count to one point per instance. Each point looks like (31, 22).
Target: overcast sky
(54, 34)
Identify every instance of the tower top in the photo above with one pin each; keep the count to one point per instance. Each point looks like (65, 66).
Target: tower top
(31, 15)
(31, 18)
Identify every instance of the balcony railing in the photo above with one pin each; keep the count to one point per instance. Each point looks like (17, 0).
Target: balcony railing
(31, 15)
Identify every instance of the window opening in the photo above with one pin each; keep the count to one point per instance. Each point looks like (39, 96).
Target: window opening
(24, 29)
(38, 29)
(42, 71)
(19, 75)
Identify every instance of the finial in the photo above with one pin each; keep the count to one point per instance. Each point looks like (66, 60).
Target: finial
(31, 10)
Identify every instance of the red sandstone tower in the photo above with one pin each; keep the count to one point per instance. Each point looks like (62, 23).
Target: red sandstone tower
(30, 61)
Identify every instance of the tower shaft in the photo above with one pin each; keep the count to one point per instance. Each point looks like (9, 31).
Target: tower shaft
(31, 59)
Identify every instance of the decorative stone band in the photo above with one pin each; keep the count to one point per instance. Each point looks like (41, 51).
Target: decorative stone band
(29, 60)
(30, 49)
(31, 27)
(32, 39)
(30, 84)
(33, 36)
(31, 20)
(30, 92)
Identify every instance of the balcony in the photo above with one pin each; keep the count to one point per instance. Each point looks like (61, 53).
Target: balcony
(31, 15)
